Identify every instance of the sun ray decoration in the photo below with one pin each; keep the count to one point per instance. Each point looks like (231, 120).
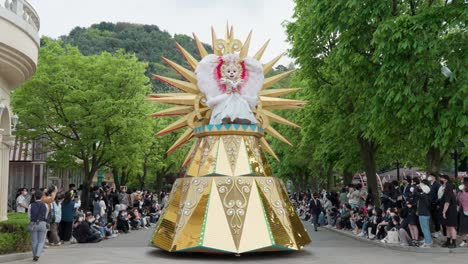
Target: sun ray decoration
(194, 113)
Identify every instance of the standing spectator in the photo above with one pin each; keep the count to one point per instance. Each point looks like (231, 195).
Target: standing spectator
(424, 212)
(405, 189)
(124, 198)
(69, 207)
(38, 213)
(435, 185)
(449, 213)
(462, 199)
(353, 197)
(315, 207)
(344, 196)
(56, 211)
(413, 221)
(22, 203)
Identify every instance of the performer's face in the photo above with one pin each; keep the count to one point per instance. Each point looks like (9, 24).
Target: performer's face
(231, 71)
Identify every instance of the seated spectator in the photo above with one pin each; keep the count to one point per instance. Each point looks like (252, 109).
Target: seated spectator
(84, 233)
(122, 222)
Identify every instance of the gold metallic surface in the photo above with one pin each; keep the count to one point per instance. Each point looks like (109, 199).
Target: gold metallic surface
(229, 214)
(227, 202)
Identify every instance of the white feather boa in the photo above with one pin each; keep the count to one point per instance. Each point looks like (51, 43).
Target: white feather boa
(209, 85)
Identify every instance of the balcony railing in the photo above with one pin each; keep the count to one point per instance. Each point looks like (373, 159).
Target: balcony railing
(22, 9)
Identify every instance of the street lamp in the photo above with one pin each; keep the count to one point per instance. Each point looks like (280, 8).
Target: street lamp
(397, 163)
(457, 150)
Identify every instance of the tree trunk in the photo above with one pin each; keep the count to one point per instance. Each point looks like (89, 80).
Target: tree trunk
(115, 174)
(347, 177)
(145, 172)
(368, 151)
(330, 178)
(433, 161)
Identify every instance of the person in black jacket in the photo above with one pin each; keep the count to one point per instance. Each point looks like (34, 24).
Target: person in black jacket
(315, 208)
(424, 211)
(435, 215)
(84, 233)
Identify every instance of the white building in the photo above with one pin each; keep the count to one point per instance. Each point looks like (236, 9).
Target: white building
(19, 48)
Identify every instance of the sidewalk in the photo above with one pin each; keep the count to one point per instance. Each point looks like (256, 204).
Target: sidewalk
(397, 246)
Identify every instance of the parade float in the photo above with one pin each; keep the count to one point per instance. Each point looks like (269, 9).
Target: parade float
(228, 200)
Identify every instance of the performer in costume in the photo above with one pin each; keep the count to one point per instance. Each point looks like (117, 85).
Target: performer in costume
(227, 201)
(231, 87)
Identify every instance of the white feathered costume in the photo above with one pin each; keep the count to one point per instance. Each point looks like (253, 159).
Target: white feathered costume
(228, 98)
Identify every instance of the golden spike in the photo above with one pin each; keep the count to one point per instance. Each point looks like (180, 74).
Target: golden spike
(267, 67)
(180, 123)
(188, 57)
(278, 119)
(231, 33)
(278, 92)
(186, 136)
(165, 95)
(274, 79)
(271, 131)
(213, 42)
(188, 75)
(268, 148)
(189, 155)
(200, 47)
(182, 85)
(245, 48)
(270, 101)
(259, 54)
(228, 36)
(173, 111)
(178, 100)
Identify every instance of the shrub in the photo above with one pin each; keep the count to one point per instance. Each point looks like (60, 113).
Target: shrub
(14, 236)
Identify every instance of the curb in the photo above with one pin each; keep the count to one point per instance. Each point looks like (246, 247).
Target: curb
(436, 250)
(15, 256)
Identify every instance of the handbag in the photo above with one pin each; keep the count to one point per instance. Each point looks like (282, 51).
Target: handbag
(31, 226)
(392, 236)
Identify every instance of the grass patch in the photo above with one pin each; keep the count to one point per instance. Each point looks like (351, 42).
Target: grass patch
(13, 234)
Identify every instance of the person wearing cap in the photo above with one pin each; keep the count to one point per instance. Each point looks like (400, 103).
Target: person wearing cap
(435, 185)
(84, 233)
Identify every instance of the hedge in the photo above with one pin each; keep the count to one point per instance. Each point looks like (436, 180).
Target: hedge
(13, 234)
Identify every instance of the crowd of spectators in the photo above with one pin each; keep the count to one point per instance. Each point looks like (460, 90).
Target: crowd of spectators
(109, 214)
(411, 212)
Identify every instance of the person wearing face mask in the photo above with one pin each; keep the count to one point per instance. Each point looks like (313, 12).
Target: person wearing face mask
(435, 185)
(22, 201)
(424, 211)
(122, 222)
(462, 199)
(84, 233)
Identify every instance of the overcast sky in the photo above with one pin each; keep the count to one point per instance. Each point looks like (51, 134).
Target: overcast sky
(264, 17)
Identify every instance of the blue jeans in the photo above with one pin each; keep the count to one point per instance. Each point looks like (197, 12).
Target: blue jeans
(38, 238)
(424, 222)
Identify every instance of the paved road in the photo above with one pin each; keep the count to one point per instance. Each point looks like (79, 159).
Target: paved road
(327, 248)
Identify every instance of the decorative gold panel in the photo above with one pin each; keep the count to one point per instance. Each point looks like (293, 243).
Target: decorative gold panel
(229, 215)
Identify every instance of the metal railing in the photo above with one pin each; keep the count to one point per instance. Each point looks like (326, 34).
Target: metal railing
(24, 10)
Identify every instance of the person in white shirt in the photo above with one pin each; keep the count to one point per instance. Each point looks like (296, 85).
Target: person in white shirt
(21, 202)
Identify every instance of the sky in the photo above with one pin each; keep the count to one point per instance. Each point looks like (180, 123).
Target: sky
(264, 17)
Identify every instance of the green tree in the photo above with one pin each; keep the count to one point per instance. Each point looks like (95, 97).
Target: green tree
(88, 108)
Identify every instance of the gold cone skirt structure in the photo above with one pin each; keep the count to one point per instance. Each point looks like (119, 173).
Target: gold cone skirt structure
(228, 203)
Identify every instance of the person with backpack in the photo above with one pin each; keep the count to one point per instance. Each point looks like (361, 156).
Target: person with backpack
(38, 225)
